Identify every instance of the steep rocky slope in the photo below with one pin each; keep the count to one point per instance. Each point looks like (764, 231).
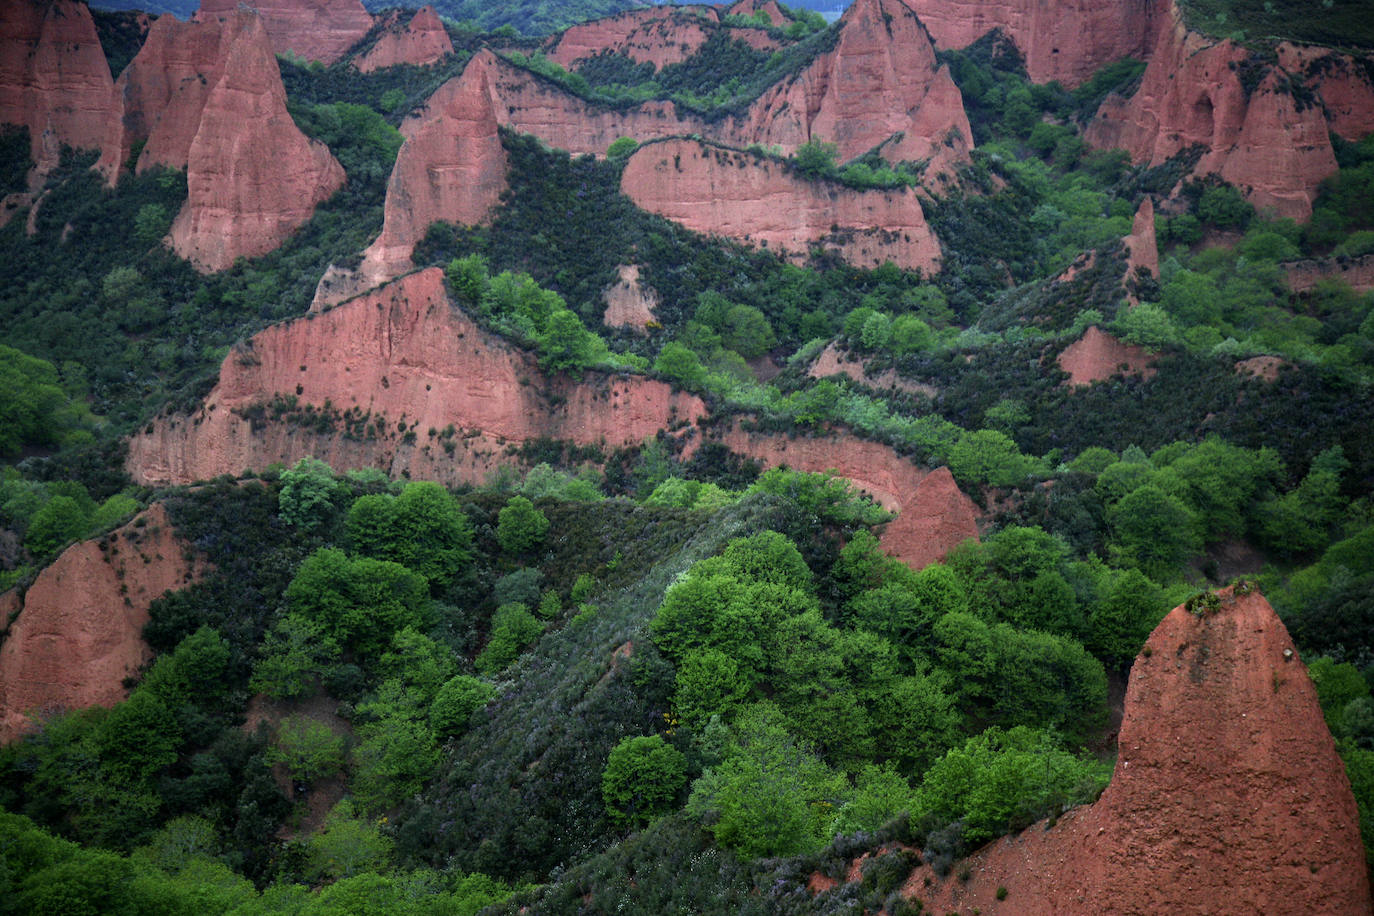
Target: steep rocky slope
(401, 354)
(421, 41)
(1227, 796)
(53, 76)
(659, 35)
(320, 30)
(402, 380)
(1304, 276)
(1066, 41)
(1097, 356)
(79, 628)
(1345, 85)
(880, 87)
(1253, 131)
(253, 178)
(753, 199)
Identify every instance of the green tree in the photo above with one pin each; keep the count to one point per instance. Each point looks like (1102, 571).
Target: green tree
(989, 457)
(294, 655)
(513, 628)
(422, 529)
(348, 845)
(308, 491)
(358, 602)
(747, 332)
(642, 778)
(309, 749)
(60, 521)
(457, 700)
(520, 526)
(1154, 531)
(816, 159)
(1123, 618)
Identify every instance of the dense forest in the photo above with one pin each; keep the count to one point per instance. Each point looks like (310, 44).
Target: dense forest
(639, 680)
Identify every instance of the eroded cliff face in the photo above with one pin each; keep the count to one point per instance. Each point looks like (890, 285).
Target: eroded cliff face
(659, 36)
(756, 200)
(1263, 140)
(253, 178)
(451, 167)
(1097, 356)
(421, 41)
(403, 354)
(320, 30)
(1142, 249)
(1067, 40)
(933, 514)
(880, 87)
(1305, 276)
(80, 624)
(54, 79)
(1342, 82)
(629, 304)
(1228, 795)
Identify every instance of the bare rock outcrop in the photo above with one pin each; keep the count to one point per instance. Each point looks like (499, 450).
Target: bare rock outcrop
(880, 87)
(451, 167)
(402, 355)
(320, 30)
(1259, 138)
(756, 200)
(54, 78)
(79, 629)
(1097, 356)
(933, 514)
(1142, 250)
(253, 178)
(1068, 40)
(421, 41)
(659, 35)
(629, 304)
(1304, 276)
(1345, 85)
(834, 360)
(1228, 795)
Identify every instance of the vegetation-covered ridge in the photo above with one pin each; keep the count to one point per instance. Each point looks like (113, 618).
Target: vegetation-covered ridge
(575, 684)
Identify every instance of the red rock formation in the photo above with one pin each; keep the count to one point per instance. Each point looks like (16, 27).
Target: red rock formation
(933, 515)
(421, 41)
(451, 167)
(403, 353)
(1191, 93)
(1141, 248)
(53, 76)
(1358, 273)
(1067, 40)
(881, 86)
(80, 625)
(1097, 356)
(753, 7)
(1228, 795)
(253, 178)
(320, 30)
(756, 200)
(1342, 82)
(160, 97)
(629, 304)
(835, 361)
(660, 35)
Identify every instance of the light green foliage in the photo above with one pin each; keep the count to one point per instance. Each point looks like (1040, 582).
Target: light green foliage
(113, 511)
(747, 332)
(1222, 205)
(1338, 685)
(1153, 530)
(681, 364)
(689, 494)
(358, 602)
(469, 277)
(520, 526)
(1093, 460)
(1300, 520)
(418, 663)
(880, 794)
(455, 703)
(642, 778)
(816, 159)
(194, 672)
(1123, 616)
(396, 752)
(826, 496)
(34, 408)
(422, 529)
(348, 845)
(513, 628)
(1148, 325)
(309, 749)
(771, 795)
(621, 148)
(151, 223)
(60, 521)
(914, 719)
(308, 491)
(708, 684)
(543, 482)
(1223, 481)
(295, 653)
(910, 335)
(987, 456)
(1006, 780)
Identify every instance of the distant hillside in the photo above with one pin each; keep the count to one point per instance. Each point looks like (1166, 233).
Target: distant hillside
(529, 17)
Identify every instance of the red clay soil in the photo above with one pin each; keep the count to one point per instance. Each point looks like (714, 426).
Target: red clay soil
(80, 624)
(1097, 356)
(835, 361)
(629, 304)
(422, 41)
(320, 30)
(1262, 367)
(1228, 795)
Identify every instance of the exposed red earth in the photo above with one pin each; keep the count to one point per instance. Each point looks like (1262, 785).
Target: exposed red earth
(1227, 797)
(421, 41)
